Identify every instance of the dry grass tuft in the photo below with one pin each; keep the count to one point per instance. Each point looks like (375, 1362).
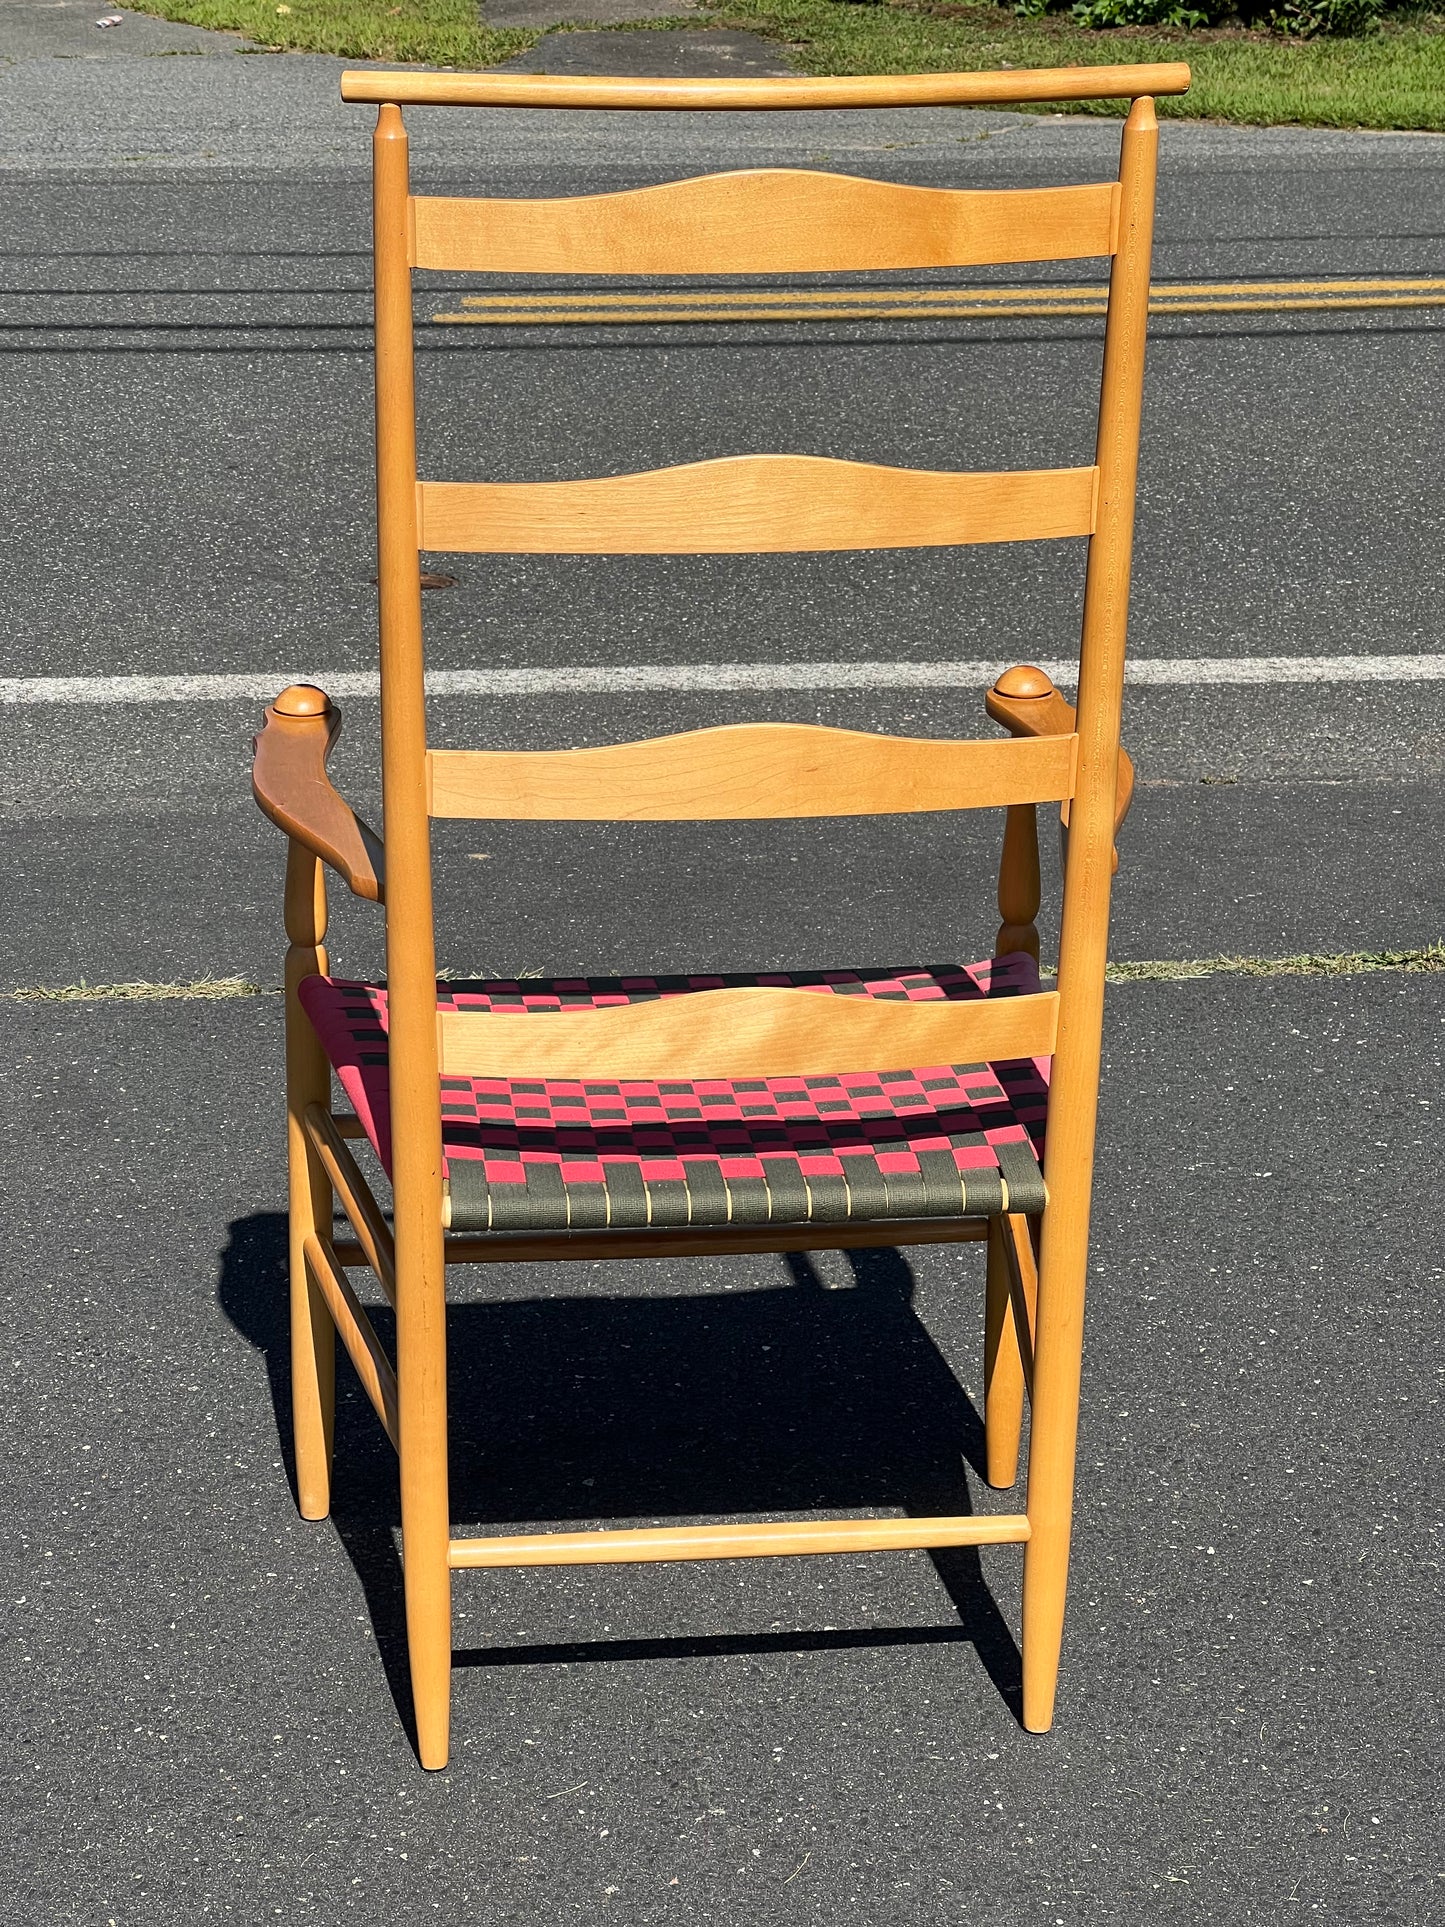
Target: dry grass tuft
(1306, 963)
(208, 989)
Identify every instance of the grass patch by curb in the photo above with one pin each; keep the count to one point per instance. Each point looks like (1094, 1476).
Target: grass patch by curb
(1351, 963)
(1427, 961)
(436, 33)
(208, 989)
(1393, 78)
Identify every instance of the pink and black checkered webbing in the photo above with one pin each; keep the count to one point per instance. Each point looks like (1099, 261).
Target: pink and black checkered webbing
(943, 1141)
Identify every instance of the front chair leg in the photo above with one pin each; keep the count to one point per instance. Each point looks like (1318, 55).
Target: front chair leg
(308, 1081)
(1003, 1367)
(313, 1336)
(428, 1582)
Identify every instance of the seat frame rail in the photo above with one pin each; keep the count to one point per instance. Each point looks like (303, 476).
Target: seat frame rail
(372, 1247)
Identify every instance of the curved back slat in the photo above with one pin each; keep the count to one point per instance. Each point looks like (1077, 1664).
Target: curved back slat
(748, 770)
(753, 505)
(755, 1032)
(765, 221)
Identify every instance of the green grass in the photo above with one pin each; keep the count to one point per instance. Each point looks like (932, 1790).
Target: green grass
(438, 33)
(1393, 78)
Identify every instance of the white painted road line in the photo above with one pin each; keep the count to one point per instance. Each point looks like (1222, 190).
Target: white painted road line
(707, 678)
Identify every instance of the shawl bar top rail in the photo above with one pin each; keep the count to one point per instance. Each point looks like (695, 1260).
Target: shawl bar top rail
(765, 96)
(513, 1120)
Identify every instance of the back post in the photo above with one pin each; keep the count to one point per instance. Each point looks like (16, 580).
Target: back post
(411, 966)
(1083, 947)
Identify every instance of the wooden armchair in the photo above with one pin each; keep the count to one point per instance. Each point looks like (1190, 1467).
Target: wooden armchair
(618, 1118)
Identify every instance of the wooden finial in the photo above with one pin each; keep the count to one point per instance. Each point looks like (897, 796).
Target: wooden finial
(1024, 681)
(302, 699)
(1142, 118)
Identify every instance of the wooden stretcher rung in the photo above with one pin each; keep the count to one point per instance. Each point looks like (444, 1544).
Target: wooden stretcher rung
(357, 1333)
(752, 1541)
(348, 1124)
(554, 1247)
(373, 1233)
(1023, 1274)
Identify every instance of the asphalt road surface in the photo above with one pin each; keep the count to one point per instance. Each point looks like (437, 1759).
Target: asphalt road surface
(205, 1695)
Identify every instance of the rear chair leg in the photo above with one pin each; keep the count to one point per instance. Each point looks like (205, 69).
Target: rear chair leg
(308, 1081)
(1053, 1436)
(421, 1367)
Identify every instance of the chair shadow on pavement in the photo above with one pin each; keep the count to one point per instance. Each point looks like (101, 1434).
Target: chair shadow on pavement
(584, 1409)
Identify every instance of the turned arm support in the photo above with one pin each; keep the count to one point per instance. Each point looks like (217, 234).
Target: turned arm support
(288, 777)
(1027, 704)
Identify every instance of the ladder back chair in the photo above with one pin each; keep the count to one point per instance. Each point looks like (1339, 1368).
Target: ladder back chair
(637, 1116)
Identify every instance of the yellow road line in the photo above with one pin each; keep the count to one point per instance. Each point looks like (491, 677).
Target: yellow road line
(927, 304)
(1289, 305)
(1414, 284)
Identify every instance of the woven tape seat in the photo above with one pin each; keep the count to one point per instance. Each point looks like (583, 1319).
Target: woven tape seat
(961, 1140)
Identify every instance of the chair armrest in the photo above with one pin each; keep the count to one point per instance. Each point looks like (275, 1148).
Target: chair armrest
(289, 780)
(1027, 704)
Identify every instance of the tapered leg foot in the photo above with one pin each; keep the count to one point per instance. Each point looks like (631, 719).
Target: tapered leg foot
(425, 1518)
(429, 1645)
(1052, 1441)
(313, 1392)
(1045, 1587)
